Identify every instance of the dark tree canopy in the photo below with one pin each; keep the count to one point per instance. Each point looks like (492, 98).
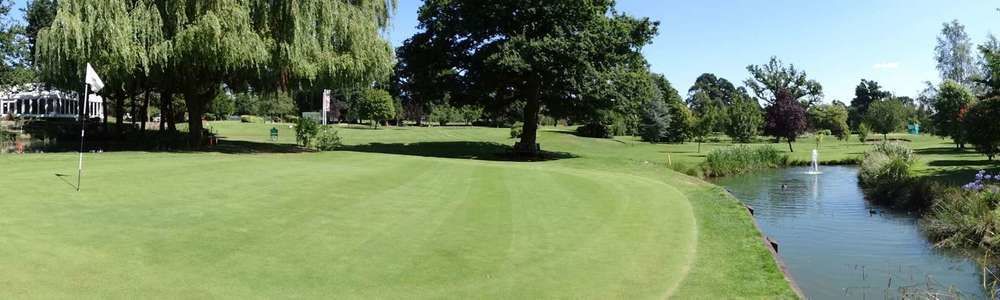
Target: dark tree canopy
(775, 79)
(667, 91)
(865, 93)
(681, 119)
(14, 51)
(990, 78)
(785, 118)
(718, 92)
(953, 101)
(560, 57)
(38, 14)
(981, 122)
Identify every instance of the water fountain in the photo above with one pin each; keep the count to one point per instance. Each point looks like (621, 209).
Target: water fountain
(815, 163)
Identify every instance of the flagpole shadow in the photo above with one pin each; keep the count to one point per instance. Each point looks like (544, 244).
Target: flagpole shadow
(63, 178)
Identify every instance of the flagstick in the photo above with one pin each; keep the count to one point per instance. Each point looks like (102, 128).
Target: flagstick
(83, 128)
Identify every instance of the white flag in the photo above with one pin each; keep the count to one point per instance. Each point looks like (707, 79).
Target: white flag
(95, 82)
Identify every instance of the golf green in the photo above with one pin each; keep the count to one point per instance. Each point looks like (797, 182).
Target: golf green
(369, 225)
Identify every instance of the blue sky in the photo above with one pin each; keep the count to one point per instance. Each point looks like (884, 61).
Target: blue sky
(836, 42)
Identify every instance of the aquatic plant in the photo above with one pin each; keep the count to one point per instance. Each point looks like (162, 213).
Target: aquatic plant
(741, 159)
(885, 175)
(983, 181)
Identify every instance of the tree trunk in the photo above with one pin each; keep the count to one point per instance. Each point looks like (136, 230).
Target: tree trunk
(529, 135)
(790, 146)
(885, 137)
(195, 108)
(171, 122)
(196, 104)
(135, 109)
(104, 113)
(163, 109)
(145, 114)
(119, 115)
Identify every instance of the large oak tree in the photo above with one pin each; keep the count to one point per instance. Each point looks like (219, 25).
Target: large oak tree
(553, 56)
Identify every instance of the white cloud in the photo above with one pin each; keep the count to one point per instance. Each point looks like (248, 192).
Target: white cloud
(885, 66)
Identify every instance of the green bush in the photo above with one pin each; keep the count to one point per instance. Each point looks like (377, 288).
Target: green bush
(374, 105)
(516, 130)
(444, 114)
(654, 122)
(251, 119)
(981, 128)
(327, 139)
(595, 130)
(961, 218)
(743, 120)
(885, 174)
(863, 132)
(741, 159)
(305, 131)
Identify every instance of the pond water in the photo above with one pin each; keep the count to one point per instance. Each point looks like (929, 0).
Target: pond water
(836, 245)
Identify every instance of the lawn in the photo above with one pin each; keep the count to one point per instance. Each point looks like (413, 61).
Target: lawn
(399, 213)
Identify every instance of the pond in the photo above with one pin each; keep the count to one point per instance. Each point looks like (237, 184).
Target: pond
(836, 245)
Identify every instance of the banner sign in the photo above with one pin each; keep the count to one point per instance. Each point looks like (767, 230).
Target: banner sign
(326, 107)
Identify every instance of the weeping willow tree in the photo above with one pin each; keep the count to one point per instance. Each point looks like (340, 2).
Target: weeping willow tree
(88, 31)
(195, 46)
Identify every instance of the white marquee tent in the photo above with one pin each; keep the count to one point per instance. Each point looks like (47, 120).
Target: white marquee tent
(34, 101)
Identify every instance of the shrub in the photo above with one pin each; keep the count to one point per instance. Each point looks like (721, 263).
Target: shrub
(327, 139)
(444, 114)
(820, 135)
(471, 113)
(742, 159)
(681, 122)
(886, 116)
(595, 130)
(952, 102)
(655, 122)
(981, 127)
(885, 173)
(863, 132)
(967, 217)
(251, 119)
(375, 105)
(832, 117)
(744, 119)
(516, 130)
(305, 131)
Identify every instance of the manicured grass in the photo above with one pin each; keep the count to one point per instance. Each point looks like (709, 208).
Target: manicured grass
(605, 220)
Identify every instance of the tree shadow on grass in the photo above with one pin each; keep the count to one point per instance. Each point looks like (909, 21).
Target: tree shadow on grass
(960, 176)
(247, 147)
(223, 147)
(962, 163)
(460, 150)
(942, 151)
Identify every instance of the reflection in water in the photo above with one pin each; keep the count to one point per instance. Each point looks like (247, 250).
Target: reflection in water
(837, 246)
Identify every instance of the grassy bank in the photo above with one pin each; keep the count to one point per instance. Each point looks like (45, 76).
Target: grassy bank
(399, 212)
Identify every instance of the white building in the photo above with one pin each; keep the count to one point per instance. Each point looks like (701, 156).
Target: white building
(33, 100)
